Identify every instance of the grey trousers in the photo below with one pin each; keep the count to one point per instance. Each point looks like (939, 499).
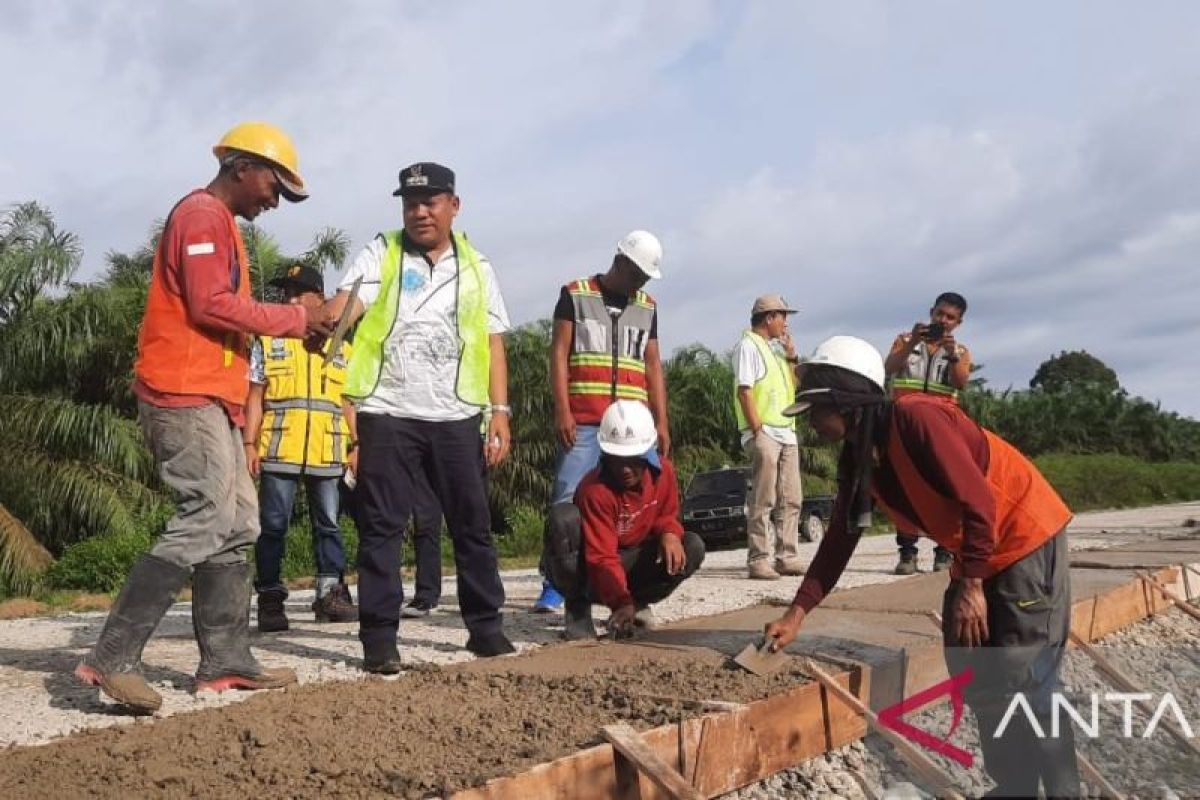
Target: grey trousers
(200, 458)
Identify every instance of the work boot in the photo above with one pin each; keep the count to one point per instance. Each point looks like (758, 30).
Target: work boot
(644, 618)
(907, 565)
(336, 606)
(221, 620)
(942, 559)
(793, 567)
(381, 659)
(761, 571)
(114, 663)
(549, 600)
(486, 645)
(272, 617)
(578, 621)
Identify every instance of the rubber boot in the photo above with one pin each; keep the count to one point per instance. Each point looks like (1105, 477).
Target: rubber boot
(942, 560)
(113, 664)
(578, 619)
(221, 619)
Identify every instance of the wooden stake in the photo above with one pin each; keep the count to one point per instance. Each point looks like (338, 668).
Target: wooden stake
(931, 774)
(626, 741)
(1123, 682)
(1180, 603)
(1093, 776)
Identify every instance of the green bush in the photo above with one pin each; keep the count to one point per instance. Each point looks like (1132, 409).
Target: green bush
(100, 564)
(1113, 481)
(524, 538)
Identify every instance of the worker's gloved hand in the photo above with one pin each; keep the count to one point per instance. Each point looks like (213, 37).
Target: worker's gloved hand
(780, 633)
(620, 624)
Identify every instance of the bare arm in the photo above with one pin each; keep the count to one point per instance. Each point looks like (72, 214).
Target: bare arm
(898, 357)
(499, 434)
(748, 409)
(560, 355)
(335, 304)
(254, 416)
(656, 386)
(960, 371)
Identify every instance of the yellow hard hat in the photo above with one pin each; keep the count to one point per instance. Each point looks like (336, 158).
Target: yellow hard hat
(271, 144)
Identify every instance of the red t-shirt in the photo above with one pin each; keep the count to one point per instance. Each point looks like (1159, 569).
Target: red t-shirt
(199, 262)
(615, 518)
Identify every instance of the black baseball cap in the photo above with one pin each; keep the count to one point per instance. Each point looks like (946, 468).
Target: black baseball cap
(425, 177)
(300, 276)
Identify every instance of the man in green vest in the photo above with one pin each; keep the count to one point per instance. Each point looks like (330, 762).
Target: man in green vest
(299, 429)
(428, 377)
(764, 365)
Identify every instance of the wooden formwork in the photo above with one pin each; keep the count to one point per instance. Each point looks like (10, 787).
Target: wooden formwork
(719, 753)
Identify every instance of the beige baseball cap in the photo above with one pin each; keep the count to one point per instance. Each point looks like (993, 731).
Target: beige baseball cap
(772, 302)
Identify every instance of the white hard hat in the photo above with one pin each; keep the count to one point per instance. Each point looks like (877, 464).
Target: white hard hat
(847, 352)
(644, 250)
(627, 429)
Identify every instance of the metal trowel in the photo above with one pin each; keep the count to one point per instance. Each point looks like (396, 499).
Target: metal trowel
(757, 658)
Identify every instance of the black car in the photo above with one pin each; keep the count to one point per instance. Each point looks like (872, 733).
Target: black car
(714, 507)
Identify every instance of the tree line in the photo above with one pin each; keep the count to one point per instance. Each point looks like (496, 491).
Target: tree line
(76, 467)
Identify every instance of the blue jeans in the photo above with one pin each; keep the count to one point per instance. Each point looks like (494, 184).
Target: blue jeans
(276, 495)
(582, 458)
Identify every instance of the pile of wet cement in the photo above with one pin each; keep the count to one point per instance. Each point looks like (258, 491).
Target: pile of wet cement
(428, 733)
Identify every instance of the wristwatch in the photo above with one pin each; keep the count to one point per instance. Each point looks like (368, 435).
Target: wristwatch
(498, 408)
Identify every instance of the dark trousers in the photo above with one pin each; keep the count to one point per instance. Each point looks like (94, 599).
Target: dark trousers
(646, 577)
(276, 496)
(450, 456)
(427, 542)
(1028, 616)
(908, 546)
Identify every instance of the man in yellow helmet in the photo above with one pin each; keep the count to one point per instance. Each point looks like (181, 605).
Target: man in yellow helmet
(428, 375)
(192, 376)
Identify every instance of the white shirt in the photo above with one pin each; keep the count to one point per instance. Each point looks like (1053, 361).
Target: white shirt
(420, 356)
(748, 369)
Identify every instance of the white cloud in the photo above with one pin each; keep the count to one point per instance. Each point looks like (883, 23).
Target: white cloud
(857, 158)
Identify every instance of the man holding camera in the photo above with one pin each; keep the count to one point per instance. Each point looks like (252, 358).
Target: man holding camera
(928, 360)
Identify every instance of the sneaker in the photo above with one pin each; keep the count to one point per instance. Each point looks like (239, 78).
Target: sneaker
(761, 571)
(548, 601)
(271, 615)
(417, 609)
(488, 645)
(907, 565)
(336, 606)
(942, 560)
(645, 619)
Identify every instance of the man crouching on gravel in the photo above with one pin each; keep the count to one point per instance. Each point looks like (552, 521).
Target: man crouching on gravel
(1007, 611)
(621, 541)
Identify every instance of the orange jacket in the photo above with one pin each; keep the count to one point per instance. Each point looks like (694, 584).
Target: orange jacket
(1028, 510)
(175, 356)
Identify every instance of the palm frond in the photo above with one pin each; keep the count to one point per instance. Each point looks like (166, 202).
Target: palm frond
(23, 560)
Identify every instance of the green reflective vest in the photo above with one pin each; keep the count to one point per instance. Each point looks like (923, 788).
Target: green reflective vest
(474, 360)
(774, 392)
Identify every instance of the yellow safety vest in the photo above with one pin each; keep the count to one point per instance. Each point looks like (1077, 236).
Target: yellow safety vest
(303, 429)
(772, 393)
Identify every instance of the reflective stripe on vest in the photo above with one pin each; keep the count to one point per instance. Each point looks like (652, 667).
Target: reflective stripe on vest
(773, 392)
(1028, 510)
(174, 355)
(924, 372)
(607, 360)
(303, 428)
(474, 361)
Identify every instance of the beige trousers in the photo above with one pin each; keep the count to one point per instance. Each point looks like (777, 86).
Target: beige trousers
(774, 492)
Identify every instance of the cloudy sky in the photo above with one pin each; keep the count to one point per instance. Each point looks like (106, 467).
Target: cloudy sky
(1043, 159)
